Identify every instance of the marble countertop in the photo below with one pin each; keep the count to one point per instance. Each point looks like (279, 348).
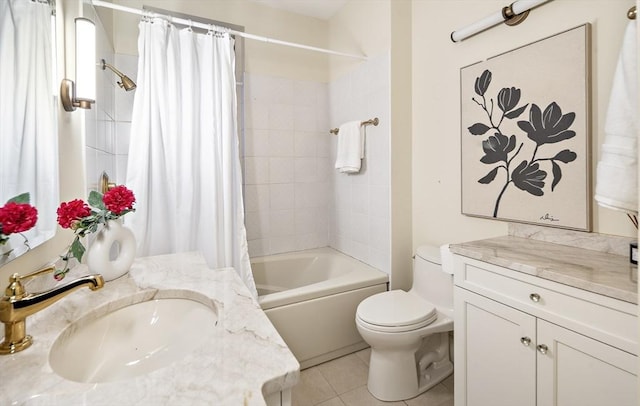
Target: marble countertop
(606, 274)
(246, 359)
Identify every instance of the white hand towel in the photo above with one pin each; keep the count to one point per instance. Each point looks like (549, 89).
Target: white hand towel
(616, 177)
(350, 147)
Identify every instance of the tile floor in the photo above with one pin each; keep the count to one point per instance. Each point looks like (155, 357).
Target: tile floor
(343, 382)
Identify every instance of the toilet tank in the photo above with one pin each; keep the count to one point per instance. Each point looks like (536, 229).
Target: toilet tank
(430, 280)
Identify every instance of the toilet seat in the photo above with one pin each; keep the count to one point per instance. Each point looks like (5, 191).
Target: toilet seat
(395, 311)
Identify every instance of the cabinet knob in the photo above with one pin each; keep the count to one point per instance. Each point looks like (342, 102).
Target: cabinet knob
(542, 349)
(534, 297)
(525, 341)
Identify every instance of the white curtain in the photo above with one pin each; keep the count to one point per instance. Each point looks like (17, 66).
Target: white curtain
(28, 129)
(184, 163)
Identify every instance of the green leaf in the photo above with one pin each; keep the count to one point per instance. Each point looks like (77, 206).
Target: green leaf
(478, 129)
(77, 249)
(489, 177)
(95, 200)
(557, 175)
(20, 199)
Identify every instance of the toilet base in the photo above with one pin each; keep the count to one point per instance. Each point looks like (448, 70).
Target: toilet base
(403, 373)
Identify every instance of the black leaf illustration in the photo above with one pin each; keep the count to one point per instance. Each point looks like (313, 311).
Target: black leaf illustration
(508, 98)
(566, 156)
(482, 82)
(478, 129)
(489, 177)
(496, 148)
(529, 178)
(548, 127)
(543, 127)
(557, 175)
(516, 113)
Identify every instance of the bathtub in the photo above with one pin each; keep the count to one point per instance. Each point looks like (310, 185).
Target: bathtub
(311, 298)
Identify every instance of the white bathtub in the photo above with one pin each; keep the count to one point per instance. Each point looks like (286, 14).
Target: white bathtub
(311, 298)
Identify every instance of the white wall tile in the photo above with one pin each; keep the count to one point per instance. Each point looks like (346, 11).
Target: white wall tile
(281, 196)
(256, 198)
(279, 245)
(256, 170)
(305, 144)
(287, 124)
(281, 117)
(305, 170)
(258, 247)
(256, 142)
(122, 137)
(280, 170)
(281, 143)
(256, 115)
(258, 224)
(282, 223)
(359, 211)
(121, 169)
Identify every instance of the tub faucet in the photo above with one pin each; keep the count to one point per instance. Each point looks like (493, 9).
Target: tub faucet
(16, 305)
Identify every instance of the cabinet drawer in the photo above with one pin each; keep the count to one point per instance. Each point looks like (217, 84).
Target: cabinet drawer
(605, 319)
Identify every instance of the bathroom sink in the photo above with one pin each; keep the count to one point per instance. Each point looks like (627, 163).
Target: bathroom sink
(132, 337)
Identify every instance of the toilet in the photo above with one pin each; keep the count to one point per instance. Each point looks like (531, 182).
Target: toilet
(409, 331)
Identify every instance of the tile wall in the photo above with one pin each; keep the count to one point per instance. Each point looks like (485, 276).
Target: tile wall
(359, 211)
(286, 164)
(100, 119)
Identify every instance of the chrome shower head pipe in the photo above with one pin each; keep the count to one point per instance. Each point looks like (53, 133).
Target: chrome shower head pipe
(125, 82)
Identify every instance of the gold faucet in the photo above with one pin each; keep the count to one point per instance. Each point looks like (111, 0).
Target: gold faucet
(16, 305)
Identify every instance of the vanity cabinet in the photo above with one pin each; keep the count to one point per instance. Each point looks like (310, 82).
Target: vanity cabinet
(524, 340)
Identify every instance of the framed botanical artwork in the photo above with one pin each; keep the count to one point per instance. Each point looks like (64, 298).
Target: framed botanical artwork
(525, 133)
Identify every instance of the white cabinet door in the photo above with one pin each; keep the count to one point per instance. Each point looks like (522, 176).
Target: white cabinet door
(495, 353)
(577, 370)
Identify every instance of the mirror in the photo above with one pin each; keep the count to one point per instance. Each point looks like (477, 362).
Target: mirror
(28, 108)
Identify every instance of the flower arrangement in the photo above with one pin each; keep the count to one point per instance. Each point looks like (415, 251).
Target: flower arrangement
(85, 218)
(17, 216)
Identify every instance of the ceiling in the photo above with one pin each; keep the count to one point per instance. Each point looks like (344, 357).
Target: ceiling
(323, 9)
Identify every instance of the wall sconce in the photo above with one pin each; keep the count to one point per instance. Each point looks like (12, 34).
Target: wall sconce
(82, 93)
(511, 15)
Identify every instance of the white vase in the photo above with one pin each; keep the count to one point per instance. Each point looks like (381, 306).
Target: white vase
(112, 252)
(5, 249)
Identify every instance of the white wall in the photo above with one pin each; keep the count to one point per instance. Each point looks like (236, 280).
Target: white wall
(436, 101)
(286, 164)
(100, 126)
(360, 214)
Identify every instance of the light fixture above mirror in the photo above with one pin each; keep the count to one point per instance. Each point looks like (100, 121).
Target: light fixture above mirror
(82, 93)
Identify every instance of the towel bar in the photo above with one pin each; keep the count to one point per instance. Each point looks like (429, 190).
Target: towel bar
(373, 121)
(631, 14)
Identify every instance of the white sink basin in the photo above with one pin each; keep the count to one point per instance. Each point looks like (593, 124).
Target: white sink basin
(132, 337)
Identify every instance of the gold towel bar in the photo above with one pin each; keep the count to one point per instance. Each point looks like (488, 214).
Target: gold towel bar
(373, 121)
(631, 14)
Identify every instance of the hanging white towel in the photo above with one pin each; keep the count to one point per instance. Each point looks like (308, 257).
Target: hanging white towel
(616, 182)
(350, 147)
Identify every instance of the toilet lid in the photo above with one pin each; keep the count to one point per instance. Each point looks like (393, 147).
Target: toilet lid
(396, 308)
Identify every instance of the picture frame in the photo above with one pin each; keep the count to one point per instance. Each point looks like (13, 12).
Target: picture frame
(526, 133)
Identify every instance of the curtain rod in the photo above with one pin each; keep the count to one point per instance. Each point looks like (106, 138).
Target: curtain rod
(511, 15)
(182, 21)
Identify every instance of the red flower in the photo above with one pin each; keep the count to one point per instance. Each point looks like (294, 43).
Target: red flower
(119, 199)
(69, 213)
(17, 217)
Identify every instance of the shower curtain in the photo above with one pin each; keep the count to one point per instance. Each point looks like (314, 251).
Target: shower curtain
(28, 128)
(184, 164)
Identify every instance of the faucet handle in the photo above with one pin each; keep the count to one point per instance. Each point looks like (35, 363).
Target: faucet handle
(46, 270)
(15, 289)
